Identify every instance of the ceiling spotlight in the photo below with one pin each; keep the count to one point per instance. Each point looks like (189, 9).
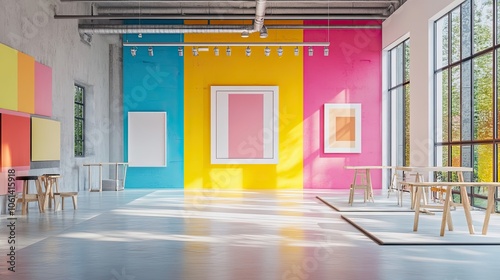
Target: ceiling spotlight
(133, 51)
(216, 51)
(228, 51)
(296, 51)
(181, 51)
(139, 35)
(263, 32)
(326, 51)
(195, 51)
(248, 51)
(267, 51)
(245, 34)
(310, 51)
(150, 51)
(280, 51)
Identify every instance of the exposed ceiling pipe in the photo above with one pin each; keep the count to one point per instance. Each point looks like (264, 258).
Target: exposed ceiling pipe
(182, 29)
(271, 1)
(260, 12)
(224, 17)
(231, 11)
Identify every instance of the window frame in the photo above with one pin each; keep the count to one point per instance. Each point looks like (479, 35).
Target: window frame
(77, 140)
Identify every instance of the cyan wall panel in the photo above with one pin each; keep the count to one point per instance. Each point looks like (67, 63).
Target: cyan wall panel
(156, 84)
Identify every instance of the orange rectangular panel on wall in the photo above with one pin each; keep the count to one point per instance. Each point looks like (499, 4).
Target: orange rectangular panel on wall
(43, 90)
(14, 142)
(8, 78)
(26, 83)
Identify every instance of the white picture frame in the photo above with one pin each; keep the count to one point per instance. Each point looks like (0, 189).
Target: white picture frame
(244, 124)
(342, 128)
(147, 139)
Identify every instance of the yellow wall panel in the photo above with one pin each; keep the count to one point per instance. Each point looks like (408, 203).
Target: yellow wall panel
(208, 70)
(26, 83)
(45, 139)
(8, 78)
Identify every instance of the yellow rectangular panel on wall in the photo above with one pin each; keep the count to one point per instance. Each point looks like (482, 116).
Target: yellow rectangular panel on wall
(45, 139)
(26, 83)
(8, 78)
(206, 70)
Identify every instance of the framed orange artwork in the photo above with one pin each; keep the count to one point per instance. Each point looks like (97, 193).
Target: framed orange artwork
(342, 128)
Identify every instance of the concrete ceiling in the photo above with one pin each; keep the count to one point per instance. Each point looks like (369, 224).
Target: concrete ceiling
(106, 13)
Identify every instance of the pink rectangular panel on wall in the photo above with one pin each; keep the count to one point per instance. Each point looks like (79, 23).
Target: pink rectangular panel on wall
(246, 124)
(43, 90)
(243, 124)
(350, 74)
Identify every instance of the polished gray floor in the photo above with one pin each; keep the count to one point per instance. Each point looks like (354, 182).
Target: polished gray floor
(172, 234)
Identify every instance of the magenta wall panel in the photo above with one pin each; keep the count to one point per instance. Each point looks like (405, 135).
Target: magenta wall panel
(246, 123)
(350, 74)
(43, 90)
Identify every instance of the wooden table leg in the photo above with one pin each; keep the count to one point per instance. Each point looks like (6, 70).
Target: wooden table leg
(25, 194)
(489, 209)
(369, 183)
(446, 212)
(417, 208)
(466, 205)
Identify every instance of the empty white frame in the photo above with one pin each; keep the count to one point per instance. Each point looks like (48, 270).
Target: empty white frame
(244, 124)
(342, 128)
(147, 139)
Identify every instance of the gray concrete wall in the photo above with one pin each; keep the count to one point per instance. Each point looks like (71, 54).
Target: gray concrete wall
(29, 26)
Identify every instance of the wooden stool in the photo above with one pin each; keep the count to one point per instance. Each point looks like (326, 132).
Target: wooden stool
(49, 181)
(26, 196)
(362, 180)
(62, 195)
(52, 180)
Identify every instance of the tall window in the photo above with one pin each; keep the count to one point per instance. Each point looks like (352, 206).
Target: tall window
(466, 94)
(399, 92)
(79, 121)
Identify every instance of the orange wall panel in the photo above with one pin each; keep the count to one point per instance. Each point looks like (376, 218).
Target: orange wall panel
(26, 83)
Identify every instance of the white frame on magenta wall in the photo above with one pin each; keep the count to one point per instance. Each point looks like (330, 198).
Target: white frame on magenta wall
(327, 132)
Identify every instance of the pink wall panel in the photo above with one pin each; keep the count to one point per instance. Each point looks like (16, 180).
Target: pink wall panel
(350, 74)
(246, 124)
(43, 90)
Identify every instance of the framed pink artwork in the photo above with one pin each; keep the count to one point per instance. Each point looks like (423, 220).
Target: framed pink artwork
(244, 124)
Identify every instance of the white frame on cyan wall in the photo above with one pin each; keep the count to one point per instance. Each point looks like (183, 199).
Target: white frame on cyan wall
(147, 139)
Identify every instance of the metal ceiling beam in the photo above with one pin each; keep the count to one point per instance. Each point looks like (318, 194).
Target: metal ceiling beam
(229, 44)
(206, 1)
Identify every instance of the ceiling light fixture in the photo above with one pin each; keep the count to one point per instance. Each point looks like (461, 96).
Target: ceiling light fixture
(263, 32)
(248, 51)
(133, 51)
(311, 51)
(228, 51)
(216, 51)
(296, 51)
(181, 51)
(280, 51)
(267, 51)
(326, 51)
(150, 51)
(228, 44)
